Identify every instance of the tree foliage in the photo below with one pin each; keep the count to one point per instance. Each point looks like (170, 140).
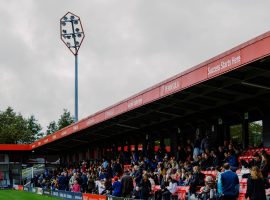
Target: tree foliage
(15, 129)
(65, 120)
(51, 128)
(34, 127)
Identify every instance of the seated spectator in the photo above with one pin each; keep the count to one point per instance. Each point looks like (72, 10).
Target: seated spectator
(152, 181)
(206, 162)
(208, 191)
(171, 189)
(256, 161)
(188, 178)
(230, 158)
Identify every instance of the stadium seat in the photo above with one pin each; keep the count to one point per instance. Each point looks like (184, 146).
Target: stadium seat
(183, 192)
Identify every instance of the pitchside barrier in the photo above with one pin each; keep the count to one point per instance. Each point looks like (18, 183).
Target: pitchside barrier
(67, 195)
(80, 196)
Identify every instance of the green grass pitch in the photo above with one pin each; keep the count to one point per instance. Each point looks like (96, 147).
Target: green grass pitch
(21, 195)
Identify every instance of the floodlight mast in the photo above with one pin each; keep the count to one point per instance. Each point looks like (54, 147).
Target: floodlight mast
(73, 37)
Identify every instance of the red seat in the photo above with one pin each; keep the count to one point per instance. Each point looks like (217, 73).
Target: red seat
(156, 188)
(241, 196)
(182, 192)
(243, 181)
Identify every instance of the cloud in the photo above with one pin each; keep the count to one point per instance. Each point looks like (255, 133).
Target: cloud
(129, 46)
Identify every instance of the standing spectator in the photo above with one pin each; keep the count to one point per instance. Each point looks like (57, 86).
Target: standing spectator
(205, 143)
(229, 183)
(72, 180)
(215, 160)
(265, 166)
(76, 187)
(256, 185)
(137, 175)
(66, 181)
(134, 158)
(180, 154)
(101, 186)
(127, 184)
(83, 166)
(108, 187)
(62, 181)
(197, 179)
(117, 187)
(197, 146)
(91, 184)
(105, 163)
(117, 168)
(145, 188)
(220, 154)
(84, 182)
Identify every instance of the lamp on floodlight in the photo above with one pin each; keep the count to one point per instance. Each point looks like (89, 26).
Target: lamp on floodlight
(72, 34)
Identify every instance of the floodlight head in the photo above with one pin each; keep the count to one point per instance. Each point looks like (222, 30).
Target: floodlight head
(71, 32)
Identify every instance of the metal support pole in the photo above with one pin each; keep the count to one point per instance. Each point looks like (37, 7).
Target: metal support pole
(76, 87)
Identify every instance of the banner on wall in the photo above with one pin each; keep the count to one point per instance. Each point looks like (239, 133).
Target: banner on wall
(66, 195)
(77, 196)
(118, 198)
(47, 192)
(26, 189)
(55, 193)
(20, 187)
(93, 197)
(39, 191)
(34, 190)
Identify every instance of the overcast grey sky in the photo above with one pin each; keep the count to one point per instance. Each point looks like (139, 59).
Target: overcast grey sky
(129, 46)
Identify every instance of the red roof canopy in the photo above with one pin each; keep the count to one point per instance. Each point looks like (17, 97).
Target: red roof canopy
(237, 57)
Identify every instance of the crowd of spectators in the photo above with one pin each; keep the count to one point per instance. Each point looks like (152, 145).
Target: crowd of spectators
(168, 171)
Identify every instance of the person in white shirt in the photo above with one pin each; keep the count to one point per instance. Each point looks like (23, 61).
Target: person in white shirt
(101, 186)
(171, 189)
(152, 182)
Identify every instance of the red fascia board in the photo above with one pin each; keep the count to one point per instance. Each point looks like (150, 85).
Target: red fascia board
(15, 147)
(239, 56)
